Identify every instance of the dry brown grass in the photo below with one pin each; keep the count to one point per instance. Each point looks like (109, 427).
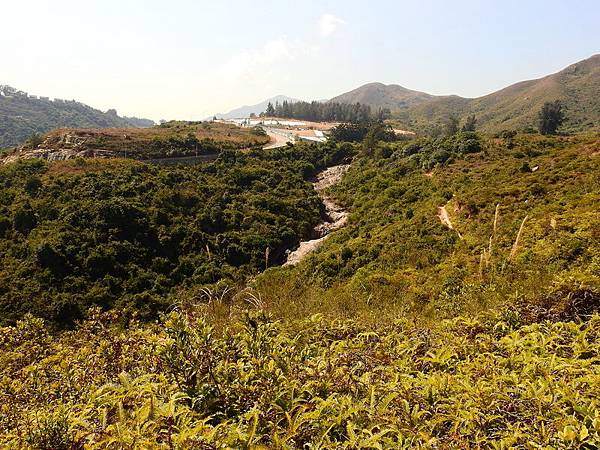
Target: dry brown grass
(137, 139)
(515, 246)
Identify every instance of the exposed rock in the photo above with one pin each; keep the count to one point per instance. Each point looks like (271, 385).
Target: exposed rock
(335, 216)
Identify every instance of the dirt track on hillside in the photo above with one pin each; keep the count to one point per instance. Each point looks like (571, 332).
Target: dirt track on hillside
(445, 219)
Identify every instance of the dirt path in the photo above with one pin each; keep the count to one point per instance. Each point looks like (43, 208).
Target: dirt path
(445, 219)
(335, 216)
(277, 140)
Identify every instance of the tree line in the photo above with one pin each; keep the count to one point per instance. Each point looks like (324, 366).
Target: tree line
(325, 111)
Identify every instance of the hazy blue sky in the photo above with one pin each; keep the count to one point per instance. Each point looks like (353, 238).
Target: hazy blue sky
(188, 59)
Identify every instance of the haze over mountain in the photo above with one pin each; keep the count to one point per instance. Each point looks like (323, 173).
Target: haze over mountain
(245, 111)
(22, 116)
(515, 106)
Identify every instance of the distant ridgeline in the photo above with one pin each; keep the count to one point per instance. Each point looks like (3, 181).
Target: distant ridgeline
(515, 107)
(23, 115)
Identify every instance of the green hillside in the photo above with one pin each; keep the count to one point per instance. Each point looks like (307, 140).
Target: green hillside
(513, 108)
(396, 256)
(379, 96)
(458, 308)
(22, 116)
(119, 233)
(516, 106)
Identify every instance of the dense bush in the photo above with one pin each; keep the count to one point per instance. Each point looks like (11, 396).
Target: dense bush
(432, 152)
(357, 132)
(396, 256)
(485, 382)
(83, 233)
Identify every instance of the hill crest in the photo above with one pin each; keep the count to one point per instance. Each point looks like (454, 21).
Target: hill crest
(23, 115)
(515, 106)
(379, 95)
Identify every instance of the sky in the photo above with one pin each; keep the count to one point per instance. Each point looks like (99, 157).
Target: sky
(186, 59)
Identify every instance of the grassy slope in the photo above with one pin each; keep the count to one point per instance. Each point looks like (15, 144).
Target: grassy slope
(170, 139)
(419, 345)
(396, 256)
(21, 117)
(516, 106)
(138, 139)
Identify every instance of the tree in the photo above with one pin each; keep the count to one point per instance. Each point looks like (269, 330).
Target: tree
(24, 219)
(383, 114)
(550, 117)
(270, 112)
(470, 123)
(452, 125)
(349, 132)
(35, 140)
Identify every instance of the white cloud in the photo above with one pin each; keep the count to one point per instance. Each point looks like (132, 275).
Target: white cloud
(328, 24)
(273, 56)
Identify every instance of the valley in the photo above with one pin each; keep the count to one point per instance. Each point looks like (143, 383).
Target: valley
(169, 289)
(378, 269)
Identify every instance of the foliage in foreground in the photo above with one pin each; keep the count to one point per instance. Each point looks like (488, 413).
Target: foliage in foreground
(491, 382)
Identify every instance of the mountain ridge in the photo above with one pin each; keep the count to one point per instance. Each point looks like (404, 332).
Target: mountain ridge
(23, 115)
(379, 95)
(514, 106)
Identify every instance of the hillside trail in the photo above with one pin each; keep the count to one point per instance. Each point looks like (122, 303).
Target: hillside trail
(335, 216)
(445, 219)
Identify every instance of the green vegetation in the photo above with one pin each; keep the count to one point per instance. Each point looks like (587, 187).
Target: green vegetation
(358, 132)
(322, 111)
(467, 383)
(551, 117)
(22, 117)
(396, 256)
(514, 107)
(458, 308)
(126, 234)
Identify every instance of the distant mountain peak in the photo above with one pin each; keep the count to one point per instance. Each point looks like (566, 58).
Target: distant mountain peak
(380, 95)
(513, 107)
